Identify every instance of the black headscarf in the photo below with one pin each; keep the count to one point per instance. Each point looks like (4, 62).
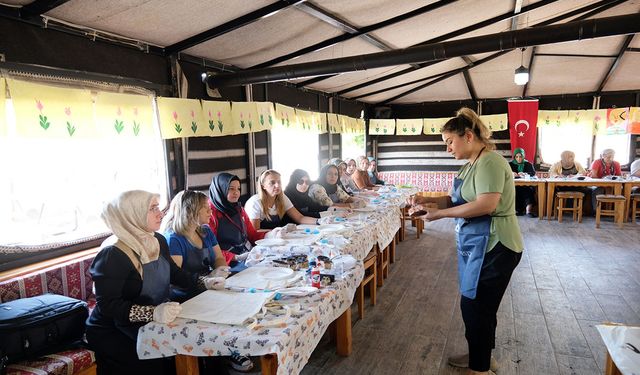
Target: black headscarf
(296, 176)
(322, 179)
(218, 193)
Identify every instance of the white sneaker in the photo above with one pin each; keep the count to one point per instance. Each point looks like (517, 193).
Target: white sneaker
(462, 360)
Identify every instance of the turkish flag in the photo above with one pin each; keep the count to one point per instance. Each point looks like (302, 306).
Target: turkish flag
(523, 122)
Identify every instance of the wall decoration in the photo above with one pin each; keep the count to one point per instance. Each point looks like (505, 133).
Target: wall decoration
(181, 118)
(409, 126)
(124, 115)
(382, 127)
(217, 116)
(243, 117)
(433, 125)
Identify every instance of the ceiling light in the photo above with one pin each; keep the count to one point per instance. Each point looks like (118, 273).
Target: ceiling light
(521, 76)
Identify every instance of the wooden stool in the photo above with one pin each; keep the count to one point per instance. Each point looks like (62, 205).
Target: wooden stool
(417, 223)
(635, 210)
(618, 208)
(577, 204)
(369, 278)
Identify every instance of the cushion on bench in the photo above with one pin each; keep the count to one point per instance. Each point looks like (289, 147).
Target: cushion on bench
(63, 363)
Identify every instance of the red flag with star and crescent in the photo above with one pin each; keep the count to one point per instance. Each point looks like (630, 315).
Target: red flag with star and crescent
(523, 122)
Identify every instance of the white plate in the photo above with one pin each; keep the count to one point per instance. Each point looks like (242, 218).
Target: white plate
(271, 242)
(330, 227)
(299, 291)
(276, 273)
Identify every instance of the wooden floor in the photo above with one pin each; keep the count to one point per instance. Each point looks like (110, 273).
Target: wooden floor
(571, 277)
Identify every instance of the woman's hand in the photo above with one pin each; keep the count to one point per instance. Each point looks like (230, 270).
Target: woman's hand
(213, 283)
(166, 312)
(427, 212)
(222, 271)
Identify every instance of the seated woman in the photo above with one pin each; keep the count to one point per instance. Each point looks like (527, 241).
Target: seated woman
(342, 167)
(373, 171)
(229, 221)
(268, 208)
(192, 244)
(297, 190)
(131, 275)
(346, 176)
(603, 167)
(361, 176)
(525, 195)
(326, 190)
(567, 166)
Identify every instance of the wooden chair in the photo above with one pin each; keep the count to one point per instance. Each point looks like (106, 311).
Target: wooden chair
(618, 208)
(383, 264)
(370, 275)
(577, 197)
(417, 223)
(635, 210)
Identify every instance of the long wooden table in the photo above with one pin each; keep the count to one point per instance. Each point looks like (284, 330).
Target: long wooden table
(552, 183)
(540, 186)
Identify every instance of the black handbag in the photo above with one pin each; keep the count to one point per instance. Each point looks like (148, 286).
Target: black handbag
(31, 327)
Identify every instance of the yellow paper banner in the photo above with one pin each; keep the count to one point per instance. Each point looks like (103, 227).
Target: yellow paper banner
(552, 118)
(124, 115)
(181, 118)
(634, 120)
(51, 112)
(617, 120)
(597, 119)
(3, 115)
(286, 117)
(321, 122)
(305, 119)
(243, 116)
(333, 123)
(217, 116)
(433, 125)
(344, 124)
(382, 127)
(409, 126)
(496, 122)
(361, 126)
(266, 116)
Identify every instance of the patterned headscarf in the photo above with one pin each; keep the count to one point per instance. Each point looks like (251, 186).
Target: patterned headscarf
(515, 162)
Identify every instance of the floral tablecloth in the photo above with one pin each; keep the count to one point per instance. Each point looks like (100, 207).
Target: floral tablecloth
(293, 342)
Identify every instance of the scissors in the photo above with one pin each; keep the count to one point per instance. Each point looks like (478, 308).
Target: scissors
(631, 347)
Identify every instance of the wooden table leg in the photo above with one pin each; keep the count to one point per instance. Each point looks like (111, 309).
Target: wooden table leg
(269, 364)
(187, 365)
(551, 186)
(610, 367)
(392, 252)
(343, 331)
(541, 200)
(627, 200)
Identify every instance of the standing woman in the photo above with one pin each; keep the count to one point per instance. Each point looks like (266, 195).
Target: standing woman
(267, 208)
(525, 195)
(131, 275)
(229, 221)
(192, 244)
(297, 190)
(488, 237)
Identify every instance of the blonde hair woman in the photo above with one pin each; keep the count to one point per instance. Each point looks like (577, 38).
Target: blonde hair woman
(488, 237)
(267, 209)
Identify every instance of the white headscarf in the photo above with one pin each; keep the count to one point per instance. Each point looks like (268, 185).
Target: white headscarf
(126, 216)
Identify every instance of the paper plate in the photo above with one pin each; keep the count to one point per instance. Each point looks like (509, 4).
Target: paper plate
(271, 242)
(276, 273)
(330, 227)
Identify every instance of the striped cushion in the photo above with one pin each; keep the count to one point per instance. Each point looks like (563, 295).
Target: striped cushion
(64, 363)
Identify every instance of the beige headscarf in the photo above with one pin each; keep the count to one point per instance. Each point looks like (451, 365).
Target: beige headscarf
(126, 216)
(567, 159)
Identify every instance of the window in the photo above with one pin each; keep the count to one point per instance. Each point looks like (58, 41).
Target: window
(294, 149)
(552, 140)
(618, 142)
(52, 190)
(352, 145)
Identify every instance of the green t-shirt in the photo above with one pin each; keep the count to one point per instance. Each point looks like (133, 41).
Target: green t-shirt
(491, 174)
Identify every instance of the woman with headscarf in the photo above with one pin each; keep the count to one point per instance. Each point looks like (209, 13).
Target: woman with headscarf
(342, 170)
(297, 190)
(326, 190)
(268, 208)
(525, 195)
(192, 244)
(361, 176)
(131, 275)
(229, 221)
(567, 166)
(373, 171)
(346, 177)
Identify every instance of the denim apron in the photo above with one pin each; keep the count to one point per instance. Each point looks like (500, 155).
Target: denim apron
(236, 238)
(472, 236)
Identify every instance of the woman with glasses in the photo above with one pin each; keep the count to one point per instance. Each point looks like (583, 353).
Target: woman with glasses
(192, 244)
(268, 208)
(229, 221)
(297, 190)
(131, 274)
(327, 191)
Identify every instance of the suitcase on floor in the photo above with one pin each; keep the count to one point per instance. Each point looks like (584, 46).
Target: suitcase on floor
(30, 327)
